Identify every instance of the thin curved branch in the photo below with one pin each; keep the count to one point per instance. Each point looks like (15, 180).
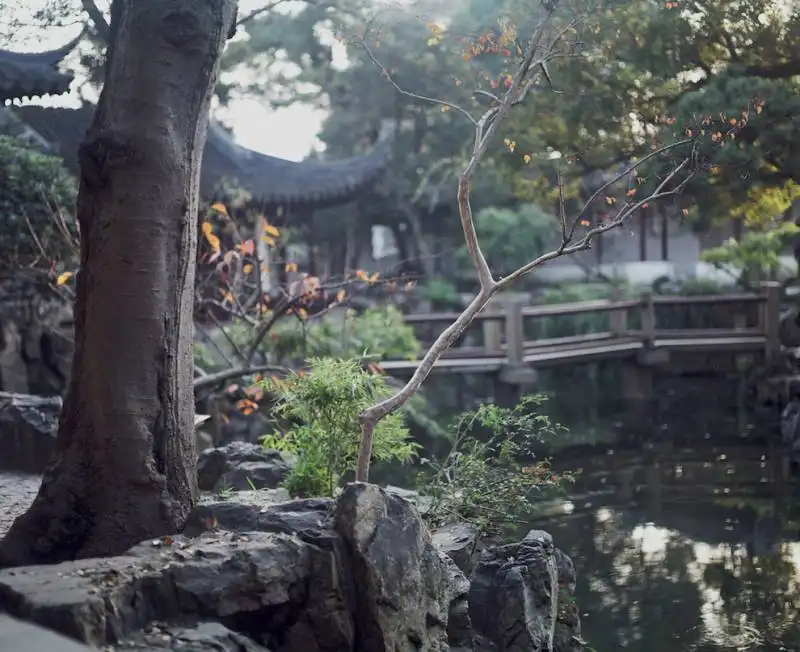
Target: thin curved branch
(210, 380)
(98, 19)
(415, 96)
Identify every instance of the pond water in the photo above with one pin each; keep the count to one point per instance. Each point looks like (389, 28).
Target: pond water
(684, 524)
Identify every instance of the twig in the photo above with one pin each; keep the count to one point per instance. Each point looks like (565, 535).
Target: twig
(238, 372)
(98, 19)
(415, 96)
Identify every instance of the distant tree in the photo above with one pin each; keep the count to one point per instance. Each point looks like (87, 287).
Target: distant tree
(654, 70)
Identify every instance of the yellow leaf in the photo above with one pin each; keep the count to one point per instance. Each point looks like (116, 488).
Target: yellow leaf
(611, 200)
(213, 241)
(270, 242)
(374, 277)
(208, 229)
(247, 268)
(63, 278)
(220, 208)
(271, 230)
(228, 297)
(290, 267)
(527, 158)
(340, 296)
(302, 313)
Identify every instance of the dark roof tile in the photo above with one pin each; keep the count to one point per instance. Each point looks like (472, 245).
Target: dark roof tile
(35, 74)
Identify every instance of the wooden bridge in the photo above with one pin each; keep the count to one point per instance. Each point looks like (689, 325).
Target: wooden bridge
(750, 326)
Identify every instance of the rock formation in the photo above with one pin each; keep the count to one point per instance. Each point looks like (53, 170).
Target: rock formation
(257, 572)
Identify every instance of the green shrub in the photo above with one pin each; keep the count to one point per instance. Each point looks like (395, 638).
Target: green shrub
(488, 482)
(320, 410)
(756, 256)
(442, 294)
(33, 188)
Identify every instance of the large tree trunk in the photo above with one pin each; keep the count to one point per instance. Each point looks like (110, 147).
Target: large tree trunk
(125, 469)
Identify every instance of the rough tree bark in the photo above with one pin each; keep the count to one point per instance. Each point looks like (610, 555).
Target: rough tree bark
(124, 470)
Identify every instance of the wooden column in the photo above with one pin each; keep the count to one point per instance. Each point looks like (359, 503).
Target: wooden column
(618, 318)
(648, 320)
(515, 333)
(492, 331)
(770, 319)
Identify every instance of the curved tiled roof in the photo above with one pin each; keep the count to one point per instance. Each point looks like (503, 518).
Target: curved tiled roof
(25, 74)
(271, 181)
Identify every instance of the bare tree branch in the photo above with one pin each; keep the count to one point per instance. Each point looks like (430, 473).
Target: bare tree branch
(228, 374)
(98, 19)
(414, 96)
(255, 13)
(527, 73)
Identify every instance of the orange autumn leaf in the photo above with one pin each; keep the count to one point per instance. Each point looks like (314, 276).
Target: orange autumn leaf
(207, 228)
(374, 277)
(228, 297)
(63, 278)
(631, 192)
(340, 296)
(214, 242)
(248, 247)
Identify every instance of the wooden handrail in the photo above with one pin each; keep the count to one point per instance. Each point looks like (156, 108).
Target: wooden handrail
(592, 306)
(503, 320)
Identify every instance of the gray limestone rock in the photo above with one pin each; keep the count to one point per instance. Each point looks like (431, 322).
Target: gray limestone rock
(522, 597)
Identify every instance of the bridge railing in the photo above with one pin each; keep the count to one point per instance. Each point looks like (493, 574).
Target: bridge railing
(751, 315)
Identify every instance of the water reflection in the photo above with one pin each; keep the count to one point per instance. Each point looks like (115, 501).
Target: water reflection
(685, 530)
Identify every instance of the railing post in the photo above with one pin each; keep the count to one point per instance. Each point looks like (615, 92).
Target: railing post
(648, 320)
(770, 319)
(492, 332)
(515, 333)
(618, 318)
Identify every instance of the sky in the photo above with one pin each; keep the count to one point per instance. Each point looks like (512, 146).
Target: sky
(289, 132)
